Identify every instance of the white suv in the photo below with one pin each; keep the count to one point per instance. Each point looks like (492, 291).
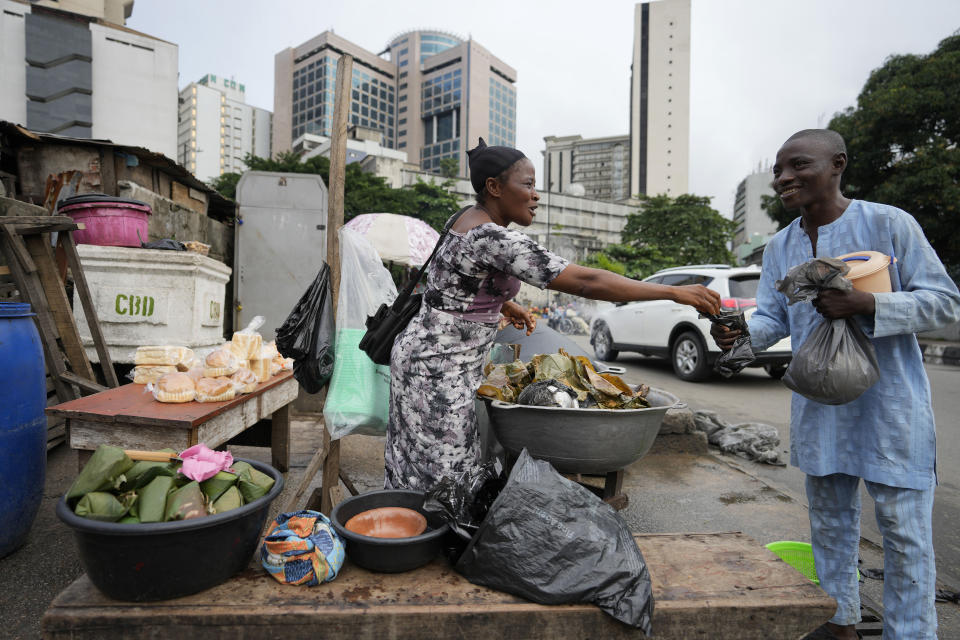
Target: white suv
(667, 329)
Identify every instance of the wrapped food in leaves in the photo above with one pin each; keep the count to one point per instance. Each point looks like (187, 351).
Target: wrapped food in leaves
(229, 500)
(151, 506)
(103, 506)
(215, 487)
(185, 503)
(102, 472)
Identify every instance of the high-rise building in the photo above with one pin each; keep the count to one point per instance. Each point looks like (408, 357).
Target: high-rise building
(217, 128)
(748, 211)
(660, 98)
(598, 165)
(72, 69)
(430, 93)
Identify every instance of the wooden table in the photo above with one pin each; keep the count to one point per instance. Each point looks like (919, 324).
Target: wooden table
(129, 417)
(717, 586)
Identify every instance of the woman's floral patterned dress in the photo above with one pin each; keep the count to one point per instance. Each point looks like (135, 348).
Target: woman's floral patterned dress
(437, 362)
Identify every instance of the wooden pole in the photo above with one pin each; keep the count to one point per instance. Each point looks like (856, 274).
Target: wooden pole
(338, 169)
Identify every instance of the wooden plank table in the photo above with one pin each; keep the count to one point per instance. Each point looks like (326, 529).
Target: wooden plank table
(129, 417)
(718, 586)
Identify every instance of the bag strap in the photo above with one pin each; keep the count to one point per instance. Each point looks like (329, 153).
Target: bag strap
(408, 291)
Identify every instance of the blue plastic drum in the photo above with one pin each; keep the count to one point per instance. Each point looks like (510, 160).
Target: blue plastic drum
(23, 425)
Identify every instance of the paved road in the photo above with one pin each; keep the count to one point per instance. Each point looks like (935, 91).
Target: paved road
(753, 397)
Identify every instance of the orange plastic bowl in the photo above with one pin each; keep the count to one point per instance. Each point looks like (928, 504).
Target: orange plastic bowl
(388, 522)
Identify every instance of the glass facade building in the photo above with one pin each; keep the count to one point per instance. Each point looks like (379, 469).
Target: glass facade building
(415, 92)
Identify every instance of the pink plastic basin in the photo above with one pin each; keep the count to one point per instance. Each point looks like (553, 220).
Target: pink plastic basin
(111, 224)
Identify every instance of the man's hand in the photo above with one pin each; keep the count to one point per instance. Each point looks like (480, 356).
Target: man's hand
(724, 336)
(518, 316)
(833, 303)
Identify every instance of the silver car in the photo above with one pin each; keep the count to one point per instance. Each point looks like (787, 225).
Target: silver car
(675, 331)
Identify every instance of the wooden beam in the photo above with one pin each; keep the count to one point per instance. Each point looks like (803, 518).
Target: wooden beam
(338, 169)
(18, 253)
(65, 240)
(40, 250)
(83, 383)
(31, 293)
(20, 220)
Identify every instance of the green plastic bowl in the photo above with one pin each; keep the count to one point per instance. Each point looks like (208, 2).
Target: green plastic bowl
(798, 555)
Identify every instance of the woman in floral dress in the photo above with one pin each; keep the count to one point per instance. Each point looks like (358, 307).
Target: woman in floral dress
(437, 362)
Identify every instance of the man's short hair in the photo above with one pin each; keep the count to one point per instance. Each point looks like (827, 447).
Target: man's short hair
(832, 140)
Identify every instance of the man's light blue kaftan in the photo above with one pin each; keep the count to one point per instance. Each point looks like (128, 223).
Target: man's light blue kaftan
(886, 436)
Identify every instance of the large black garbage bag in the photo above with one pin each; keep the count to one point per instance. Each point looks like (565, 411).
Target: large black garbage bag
(837, 362)
(552, 541)
(463, 501)
(307, 334)
(741, 353)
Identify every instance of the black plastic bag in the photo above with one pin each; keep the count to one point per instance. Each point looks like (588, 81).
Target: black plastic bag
(463, 501)
(837, 362)
(307, 334)
(168, 244)
(741, 353)
(552, 541)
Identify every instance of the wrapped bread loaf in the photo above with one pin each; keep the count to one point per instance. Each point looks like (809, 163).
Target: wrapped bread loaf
(162, 355)
(215, 390)
(247, 345)
(244, 380)
(220, 363)
(175, 387)
(147, 373)
(191, 363)
(196, 373)
(261, 365)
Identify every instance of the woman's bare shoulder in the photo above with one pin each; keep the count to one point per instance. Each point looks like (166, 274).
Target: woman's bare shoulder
(472, 218)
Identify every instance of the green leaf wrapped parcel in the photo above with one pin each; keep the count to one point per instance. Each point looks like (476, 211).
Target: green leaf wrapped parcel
(594, 390)
(113, 488)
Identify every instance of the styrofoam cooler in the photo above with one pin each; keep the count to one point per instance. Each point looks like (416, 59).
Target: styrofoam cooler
(147, 297)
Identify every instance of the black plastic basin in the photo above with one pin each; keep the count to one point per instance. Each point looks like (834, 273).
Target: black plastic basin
(389, 555)
(162, 560)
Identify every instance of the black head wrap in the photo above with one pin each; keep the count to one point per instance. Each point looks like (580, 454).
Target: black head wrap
(490, 162)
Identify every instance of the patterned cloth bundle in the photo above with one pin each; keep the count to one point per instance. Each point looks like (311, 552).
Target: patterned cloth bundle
(302, 548)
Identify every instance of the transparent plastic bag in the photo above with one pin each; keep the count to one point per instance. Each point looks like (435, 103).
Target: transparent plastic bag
(837, 362)
(359, 395)
(248, 341)
(221, 362)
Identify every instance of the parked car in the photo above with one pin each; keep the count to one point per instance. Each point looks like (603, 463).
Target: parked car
(675, 331)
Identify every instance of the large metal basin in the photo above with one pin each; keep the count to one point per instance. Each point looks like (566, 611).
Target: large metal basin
(593, 441)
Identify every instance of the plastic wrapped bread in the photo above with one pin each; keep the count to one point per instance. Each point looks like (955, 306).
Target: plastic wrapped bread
(244, 380)
(221, 362)
(215, 390)
(162, 355)
(147, 373)
(262, 364)
(248, 341)
(191, 363)
(174, 387)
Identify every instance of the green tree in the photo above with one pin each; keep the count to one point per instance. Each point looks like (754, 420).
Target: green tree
(363, 192)
(774, 208)
(903, 143)
(668, 232)
(449, 167)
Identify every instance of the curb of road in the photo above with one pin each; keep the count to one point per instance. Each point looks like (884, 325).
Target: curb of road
(934, 353)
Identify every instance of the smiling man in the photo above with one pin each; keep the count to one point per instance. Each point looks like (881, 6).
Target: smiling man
(886, 437)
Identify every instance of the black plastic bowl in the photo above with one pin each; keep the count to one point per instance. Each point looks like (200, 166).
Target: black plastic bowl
(162, 560)
(389, 555)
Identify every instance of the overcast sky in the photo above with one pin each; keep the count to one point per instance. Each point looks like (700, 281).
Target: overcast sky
(760, 69)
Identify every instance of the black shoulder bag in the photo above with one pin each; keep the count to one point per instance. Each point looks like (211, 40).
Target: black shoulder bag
(386, 324)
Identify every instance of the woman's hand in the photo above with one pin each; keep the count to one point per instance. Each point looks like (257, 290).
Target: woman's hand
(699, 297)
(518, 316)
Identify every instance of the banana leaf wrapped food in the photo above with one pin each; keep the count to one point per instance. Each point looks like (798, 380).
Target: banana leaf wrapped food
(506, 382)
(113, 488)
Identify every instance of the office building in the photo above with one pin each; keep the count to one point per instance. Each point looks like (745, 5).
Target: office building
(217, 128)
(660, 98)
(597, 166)
(754, 226)
(85, 75)
(430, 93)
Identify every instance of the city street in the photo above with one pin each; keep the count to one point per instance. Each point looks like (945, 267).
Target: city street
(752, 396)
